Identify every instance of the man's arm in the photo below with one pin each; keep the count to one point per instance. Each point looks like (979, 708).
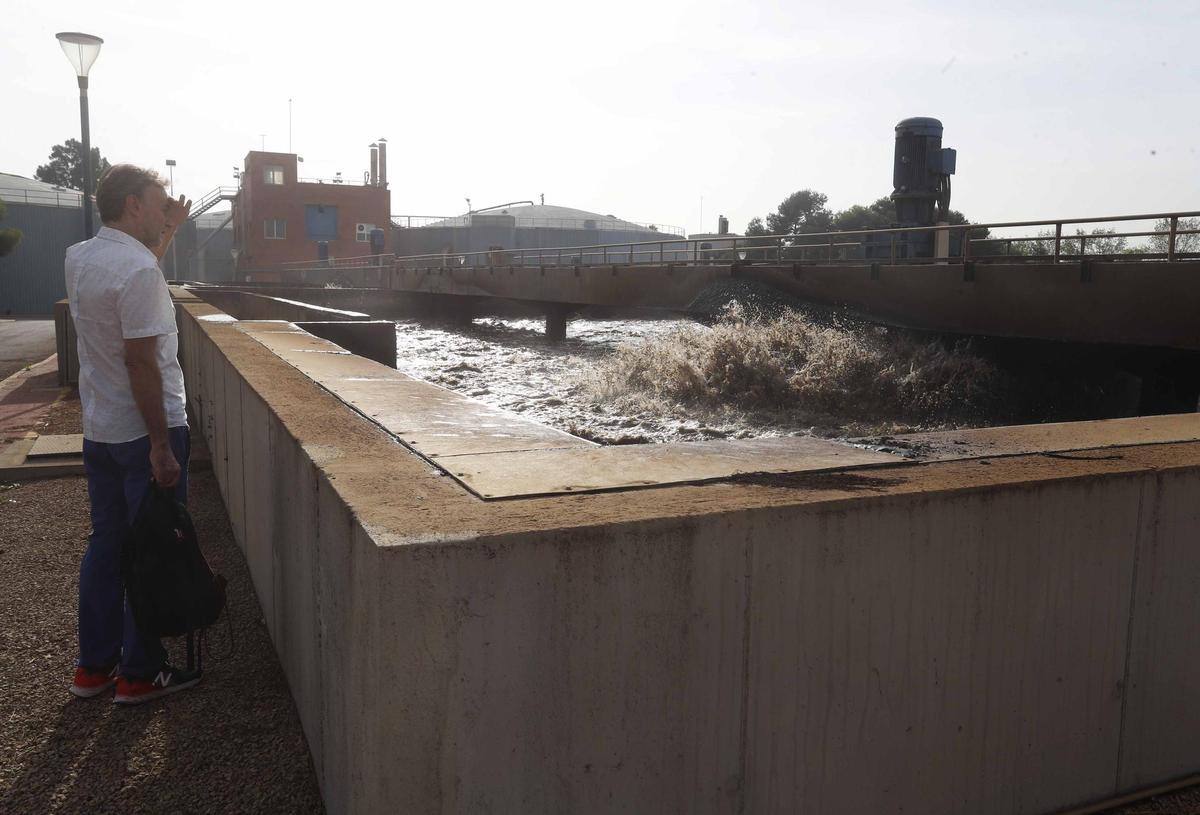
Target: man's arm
(145, 379)
(176, 213)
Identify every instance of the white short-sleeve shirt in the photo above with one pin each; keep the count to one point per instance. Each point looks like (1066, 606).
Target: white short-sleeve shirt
(117, 292)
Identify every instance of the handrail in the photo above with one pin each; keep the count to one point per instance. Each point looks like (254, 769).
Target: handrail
(211, 199)
(424, 221)
(56, 198)
(755, 241)
(345, 182)
(785, 248)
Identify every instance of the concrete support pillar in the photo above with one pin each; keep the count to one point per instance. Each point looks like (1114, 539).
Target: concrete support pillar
(448, 307)
(556, 323)
(941, 243)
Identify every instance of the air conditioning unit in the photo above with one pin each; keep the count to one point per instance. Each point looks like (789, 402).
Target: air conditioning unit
(362, 232)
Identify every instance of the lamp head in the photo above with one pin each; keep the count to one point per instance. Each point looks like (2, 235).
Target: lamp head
(81, 49)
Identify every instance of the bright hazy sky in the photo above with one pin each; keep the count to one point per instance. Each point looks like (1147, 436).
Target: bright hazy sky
(1058, 108)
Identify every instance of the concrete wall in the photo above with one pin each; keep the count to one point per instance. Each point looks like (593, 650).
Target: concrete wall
(1009, 637)
(353, 331)
(1116, 302)
(629, 286)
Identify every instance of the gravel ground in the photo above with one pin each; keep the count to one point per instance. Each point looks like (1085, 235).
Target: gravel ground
(231, 744)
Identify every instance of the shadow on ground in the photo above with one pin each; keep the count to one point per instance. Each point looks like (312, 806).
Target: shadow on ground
(231, 744)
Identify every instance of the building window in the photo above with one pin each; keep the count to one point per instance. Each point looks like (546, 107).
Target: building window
(320, 222)
(273, 174)
(275, 228)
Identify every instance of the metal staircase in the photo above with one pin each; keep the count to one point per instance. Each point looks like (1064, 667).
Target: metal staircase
(211, 199)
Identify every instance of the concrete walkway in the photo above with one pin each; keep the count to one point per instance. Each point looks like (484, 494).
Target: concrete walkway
(26, 398)
(24, 342)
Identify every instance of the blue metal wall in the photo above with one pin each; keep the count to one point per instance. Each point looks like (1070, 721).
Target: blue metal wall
(31, 277)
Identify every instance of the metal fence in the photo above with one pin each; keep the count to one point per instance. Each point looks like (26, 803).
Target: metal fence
(526, 222)
(46, 198)
(892, 244)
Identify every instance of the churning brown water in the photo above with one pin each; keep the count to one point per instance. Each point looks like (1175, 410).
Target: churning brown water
(624, 381)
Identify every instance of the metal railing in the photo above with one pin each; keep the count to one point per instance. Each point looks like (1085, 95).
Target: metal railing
(46, 198)
(529, 222)
(891, 244)
(211, 199)
(345, 182)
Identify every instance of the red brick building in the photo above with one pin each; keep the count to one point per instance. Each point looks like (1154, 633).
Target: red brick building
(279, 218)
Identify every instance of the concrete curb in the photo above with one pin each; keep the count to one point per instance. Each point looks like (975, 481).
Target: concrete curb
(10, 384)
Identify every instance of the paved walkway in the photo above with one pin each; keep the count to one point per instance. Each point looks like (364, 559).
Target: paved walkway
(24, 342)
(27, 397)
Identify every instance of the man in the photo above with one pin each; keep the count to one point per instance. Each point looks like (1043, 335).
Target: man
(134, 419)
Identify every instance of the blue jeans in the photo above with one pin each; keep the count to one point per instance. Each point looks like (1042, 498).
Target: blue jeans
(117, 478)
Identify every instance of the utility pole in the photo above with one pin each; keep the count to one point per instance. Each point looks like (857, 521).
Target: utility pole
(174, 257)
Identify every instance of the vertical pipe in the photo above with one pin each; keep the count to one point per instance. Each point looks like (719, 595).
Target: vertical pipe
(1171, 237)
(383, 162)
(88, 184)
(1057, 241)
(374, 164)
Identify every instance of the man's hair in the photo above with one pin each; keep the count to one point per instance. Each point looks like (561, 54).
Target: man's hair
(120, 181)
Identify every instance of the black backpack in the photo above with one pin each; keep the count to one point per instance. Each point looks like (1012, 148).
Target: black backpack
(171, 589)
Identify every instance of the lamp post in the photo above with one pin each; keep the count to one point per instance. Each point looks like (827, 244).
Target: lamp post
(82, 50)
(174, 267)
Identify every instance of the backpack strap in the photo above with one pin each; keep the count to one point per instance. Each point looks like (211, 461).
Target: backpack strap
(195, 650)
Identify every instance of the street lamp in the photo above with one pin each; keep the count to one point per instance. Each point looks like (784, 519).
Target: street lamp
(174, 267)
(82, 50)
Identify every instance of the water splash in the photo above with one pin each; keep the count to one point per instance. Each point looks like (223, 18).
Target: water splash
(791, 372)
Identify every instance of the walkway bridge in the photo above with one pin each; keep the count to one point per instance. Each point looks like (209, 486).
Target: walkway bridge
(1047, 286)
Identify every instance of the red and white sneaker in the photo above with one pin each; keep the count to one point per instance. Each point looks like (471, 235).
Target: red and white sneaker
(91, 682)
(168, 680)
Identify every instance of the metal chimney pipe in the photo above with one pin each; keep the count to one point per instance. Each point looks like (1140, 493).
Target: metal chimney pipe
(374, 164)
(383, 162)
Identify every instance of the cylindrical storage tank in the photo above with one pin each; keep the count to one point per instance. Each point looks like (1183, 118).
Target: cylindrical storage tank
(916, 170)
